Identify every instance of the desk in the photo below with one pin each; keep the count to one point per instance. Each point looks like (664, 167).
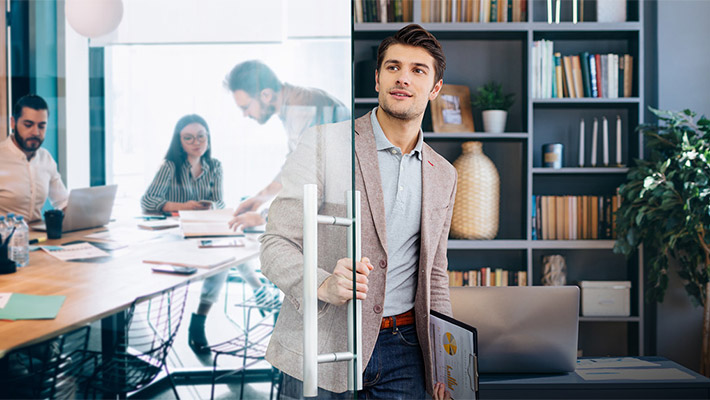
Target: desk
(97, 290)
(572, 386)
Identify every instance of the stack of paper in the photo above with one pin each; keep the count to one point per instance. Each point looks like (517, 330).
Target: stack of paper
(77, 251)
(14, 306)
(207, 223)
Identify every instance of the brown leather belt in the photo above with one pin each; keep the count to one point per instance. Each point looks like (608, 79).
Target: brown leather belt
(406, 318)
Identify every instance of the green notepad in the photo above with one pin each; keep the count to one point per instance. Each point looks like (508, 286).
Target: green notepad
(27, 306)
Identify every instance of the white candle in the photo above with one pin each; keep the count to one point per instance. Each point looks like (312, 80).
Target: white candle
(557, 13)
(595, 127)
(618, 140)
(581, 143)
(605, 138)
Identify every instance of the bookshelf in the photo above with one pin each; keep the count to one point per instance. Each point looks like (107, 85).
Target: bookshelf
(480, 52)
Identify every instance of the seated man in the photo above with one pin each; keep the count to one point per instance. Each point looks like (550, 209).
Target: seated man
(28, 173)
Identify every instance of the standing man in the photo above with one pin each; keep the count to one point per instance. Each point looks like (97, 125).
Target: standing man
(260, 94)
(407, 197)
(28, 173)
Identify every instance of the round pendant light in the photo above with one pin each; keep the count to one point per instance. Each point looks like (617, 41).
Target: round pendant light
(94, 18)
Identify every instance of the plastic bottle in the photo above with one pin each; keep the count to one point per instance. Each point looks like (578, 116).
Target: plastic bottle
(20, 242)
(3, 229)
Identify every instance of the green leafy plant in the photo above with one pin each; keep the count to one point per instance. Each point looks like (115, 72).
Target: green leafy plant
(490, 97)
(666, 204)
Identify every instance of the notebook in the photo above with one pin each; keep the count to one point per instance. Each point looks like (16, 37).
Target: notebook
(521, 329)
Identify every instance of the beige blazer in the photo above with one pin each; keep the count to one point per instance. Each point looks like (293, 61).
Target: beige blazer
(324, 157)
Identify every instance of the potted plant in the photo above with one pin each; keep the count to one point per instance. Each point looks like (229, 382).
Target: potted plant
(495, 105)
(666, 206)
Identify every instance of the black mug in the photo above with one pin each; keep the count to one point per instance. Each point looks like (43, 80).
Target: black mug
(53, 219)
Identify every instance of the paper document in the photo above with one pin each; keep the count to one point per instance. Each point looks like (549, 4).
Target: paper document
(123, 234)
(207, 223)
(27, 306)
(636, 374)
(195, 259)
(159, 225)
(4, 297)
(613, 362)
(75, 251)
(454, 353)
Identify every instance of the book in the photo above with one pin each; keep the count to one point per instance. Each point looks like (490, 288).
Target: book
(620, 74)
(593, 75)
(598, 64)
(159, 225)
(605, 75)
(628, 74)
(558, 76)
(205, 259)
(586, 77)
(569, 81)
(207, 223)
(577, 74)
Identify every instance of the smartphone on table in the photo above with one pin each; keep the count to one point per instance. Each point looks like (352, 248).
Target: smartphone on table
(173, 269)
(214, 243)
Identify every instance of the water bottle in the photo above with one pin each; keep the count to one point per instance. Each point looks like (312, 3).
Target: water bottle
(3, 229)
(10, 221)
(20, 242)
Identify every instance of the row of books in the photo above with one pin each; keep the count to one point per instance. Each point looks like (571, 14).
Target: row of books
(583, 75)
(474, 11)
(383, 10)
(441, 10)
(574, 217)
(488, 277)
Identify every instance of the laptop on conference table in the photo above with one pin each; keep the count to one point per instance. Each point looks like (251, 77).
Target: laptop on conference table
(87, 208)
(521, 329)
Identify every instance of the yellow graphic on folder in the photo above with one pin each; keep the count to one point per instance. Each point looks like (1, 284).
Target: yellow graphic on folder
(449, 343)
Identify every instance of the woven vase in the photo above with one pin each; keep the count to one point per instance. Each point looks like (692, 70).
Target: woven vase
(476, 208)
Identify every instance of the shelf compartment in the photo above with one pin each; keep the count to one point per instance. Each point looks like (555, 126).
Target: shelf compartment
(460, 244)
(539, 12)
(591, 170)
(572, 244)
(431, 136)
(468, 259)
(586, 100)
(609, 319)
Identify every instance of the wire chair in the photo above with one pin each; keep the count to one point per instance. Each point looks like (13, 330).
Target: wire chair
(48, 370)
(251, 343)
(141, 346)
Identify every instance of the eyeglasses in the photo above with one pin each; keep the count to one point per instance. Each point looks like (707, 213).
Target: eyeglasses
(201, 137)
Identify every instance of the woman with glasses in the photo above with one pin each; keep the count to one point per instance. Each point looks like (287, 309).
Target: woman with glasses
(189, 178)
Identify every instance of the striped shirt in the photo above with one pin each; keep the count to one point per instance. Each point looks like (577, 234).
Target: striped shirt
(164, 188)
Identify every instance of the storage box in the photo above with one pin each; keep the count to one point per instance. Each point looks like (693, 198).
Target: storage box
(605, 298)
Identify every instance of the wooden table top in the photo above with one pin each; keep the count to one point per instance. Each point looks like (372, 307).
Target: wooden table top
(96, 290)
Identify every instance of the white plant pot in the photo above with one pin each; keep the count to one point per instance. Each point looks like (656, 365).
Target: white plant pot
(494, 121)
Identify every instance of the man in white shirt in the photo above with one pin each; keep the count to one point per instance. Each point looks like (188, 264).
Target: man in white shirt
(28, 173)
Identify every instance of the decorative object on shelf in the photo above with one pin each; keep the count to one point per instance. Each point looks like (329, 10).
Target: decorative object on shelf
(451, 110)
(611, 10)
(618, 142)
(365, 76)
(595, 128)
(665, 207)
(476, 208)
(94, 18)
(494, 105)
(554, 270)
(552, 154)
(581, 143)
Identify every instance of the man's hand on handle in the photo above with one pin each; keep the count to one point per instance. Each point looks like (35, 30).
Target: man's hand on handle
(338, 288)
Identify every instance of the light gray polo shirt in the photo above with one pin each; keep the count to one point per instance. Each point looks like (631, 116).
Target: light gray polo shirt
(402, 191)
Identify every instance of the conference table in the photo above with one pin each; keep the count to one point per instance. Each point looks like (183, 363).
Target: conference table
(100, 288)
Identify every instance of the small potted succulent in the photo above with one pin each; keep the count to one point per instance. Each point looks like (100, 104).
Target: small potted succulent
(494, 105)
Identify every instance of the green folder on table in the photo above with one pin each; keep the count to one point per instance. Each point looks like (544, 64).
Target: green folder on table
(27, 306)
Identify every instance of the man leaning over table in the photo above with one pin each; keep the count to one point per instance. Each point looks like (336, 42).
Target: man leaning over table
(28, 173)
(407, 196)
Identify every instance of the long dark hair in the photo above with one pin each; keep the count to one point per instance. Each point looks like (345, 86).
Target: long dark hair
(176, 154)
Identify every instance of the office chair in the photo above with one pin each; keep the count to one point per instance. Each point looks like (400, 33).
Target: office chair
(141, 346)
(251, 343)
(48, 370)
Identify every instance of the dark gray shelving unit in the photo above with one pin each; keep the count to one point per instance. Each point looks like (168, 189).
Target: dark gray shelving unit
(481, 52)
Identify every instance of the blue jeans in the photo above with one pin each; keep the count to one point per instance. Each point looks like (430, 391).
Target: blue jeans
(395, 370)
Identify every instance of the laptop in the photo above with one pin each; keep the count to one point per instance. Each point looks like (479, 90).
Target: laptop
(521, 329)
(87, 208)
